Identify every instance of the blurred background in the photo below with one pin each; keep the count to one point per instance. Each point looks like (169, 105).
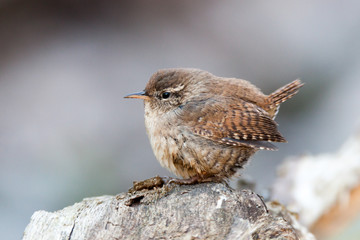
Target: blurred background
(66, 132)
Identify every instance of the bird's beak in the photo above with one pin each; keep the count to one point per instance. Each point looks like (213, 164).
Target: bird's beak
(141, 95)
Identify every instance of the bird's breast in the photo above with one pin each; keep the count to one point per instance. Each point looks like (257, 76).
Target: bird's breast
(162, 133)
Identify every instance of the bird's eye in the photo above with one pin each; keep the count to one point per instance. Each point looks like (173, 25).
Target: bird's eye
(165, 95)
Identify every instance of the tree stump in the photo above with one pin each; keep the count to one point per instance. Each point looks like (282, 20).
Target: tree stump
(201, 211)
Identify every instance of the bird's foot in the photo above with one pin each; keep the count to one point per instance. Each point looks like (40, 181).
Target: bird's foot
(151, 183)
(194, 180)
(187, 181)
(158, 182)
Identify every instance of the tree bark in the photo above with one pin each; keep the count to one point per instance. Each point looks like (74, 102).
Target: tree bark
(201, 211)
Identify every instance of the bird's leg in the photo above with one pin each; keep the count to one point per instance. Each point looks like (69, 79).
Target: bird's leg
(187, 181)
(158, 182)
(148, 184)
(195, 179)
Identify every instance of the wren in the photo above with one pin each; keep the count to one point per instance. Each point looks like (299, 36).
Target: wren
(205, 128)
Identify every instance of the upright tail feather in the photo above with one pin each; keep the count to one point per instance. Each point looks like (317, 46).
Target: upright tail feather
(281, 95)
(284, 93)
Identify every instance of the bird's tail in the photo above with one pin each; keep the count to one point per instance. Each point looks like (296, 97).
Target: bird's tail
(285, 92)
(281, 95)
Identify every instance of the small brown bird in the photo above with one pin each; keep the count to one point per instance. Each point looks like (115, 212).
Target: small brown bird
(203, 127)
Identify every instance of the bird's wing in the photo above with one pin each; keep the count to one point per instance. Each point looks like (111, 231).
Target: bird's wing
(232, 122)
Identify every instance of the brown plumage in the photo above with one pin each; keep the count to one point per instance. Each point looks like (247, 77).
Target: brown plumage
(203, 127)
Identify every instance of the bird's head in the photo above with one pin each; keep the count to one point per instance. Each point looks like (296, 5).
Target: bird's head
(168, 89)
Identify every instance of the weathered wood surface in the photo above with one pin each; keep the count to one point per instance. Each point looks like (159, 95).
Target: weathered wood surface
(202, 211)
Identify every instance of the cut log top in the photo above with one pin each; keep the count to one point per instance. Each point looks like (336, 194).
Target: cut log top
(202, 211)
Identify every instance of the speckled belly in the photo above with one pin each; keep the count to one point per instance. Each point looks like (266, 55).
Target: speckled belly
(188, 155)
